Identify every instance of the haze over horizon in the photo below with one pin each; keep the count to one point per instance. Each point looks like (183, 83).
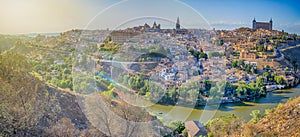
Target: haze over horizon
(48, 16)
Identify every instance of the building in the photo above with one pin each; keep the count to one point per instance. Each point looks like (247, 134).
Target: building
(123, 35)
(177, 24)
(147, 28)
(247, 55)
(262, 25)
(156, 27)
(195, 129)
(178, 28)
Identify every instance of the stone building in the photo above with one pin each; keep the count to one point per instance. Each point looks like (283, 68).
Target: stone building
(262, 25)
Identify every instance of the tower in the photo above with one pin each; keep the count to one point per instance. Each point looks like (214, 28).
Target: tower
(271, 24)
(254, 24)
(154, 25)
(177, 23)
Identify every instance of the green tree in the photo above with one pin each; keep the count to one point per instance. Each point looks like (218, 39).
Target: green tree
(267, 75)
(66, 71)
(221, 86)
(193, 94)
(173, 94)
(213, 91)
(260, 81)
(207, 84)
(183, 92)
(203, 55)
(221, 42)
(192, 51)
(177, 126)
(253, 71)
(224, 126)
(279, 80)
(234, 64)
(268, 111)
(256, 116)
(63, 84)
(247, 68)
(240, 63)
(241, 89)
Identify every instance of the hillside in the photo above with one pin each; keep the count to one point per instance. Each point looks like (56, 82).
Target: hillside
(284, 121)
(293, 53)
(29, 107)
(51, 109)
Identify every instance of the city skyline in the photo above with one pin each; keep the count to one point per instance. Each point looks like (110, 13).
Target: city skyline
(34, 16)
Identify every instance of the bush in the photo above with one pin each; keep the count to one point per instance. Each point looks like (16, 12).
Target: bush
(256, 116)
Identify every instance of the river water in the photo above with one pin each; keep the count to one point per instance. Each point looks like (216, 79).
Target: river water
(241, 110)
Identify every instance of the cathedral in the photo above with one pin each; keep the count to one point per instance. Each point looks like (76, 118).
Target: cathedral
(148, 28)
(124, 35)
(178, 29)
(262, 25)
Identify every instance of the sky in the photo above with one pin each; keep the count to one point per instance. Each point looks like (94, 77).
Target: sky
(50, 16)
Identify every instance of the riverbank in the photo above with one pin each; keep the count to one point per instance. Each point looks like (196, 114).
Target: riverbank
(239, 109)
(230, 99)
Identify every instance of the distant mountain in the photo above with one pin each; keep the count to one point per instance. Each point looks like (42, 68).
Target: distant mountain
(36, 34)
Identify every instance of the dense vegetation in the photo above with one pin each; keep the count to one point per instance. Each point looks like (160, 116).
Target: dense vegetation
(189, 92)
(57, 73)
(239, 64)
(198, 54)
(19, 107)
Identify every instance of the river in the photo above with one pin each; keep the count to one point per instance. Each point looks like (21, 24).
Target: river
(241, 110)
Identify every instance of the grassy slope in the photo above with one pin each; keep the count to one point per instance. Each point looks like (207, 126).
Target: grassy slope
(284, 121)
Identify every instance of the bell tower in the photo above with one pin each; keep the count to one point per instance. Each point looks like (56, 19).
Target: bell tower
(271, 24)
(177, 23)
(254, 24)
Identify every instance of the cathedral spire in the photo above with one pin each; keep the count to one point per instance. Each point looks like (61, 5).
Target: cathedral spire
(177, 23)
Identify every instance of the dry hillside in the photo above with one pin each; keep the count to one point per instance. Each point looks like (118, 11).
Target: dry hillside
(283, 122)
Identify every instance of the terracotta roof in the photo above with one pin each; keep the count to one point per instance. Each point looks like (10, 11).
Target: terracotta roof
(195, 128)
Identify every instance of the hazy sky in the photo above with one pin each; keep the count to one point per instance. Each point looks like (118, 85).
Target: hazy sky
(42, 16)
